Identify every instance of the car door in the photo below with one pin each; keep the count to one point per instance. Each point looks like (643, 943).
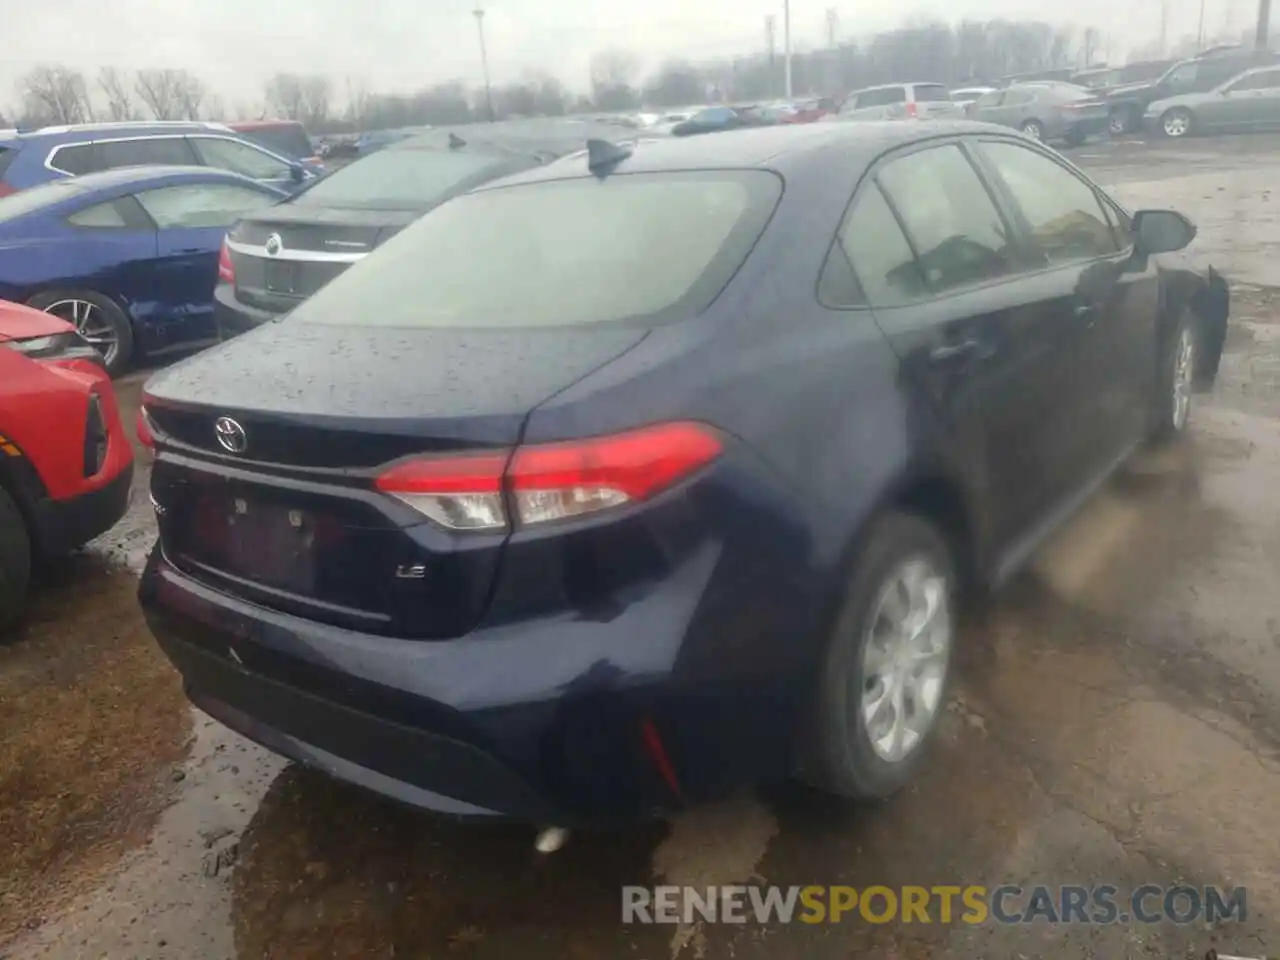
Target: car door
(191, 221)
(249, 161)
(1103, 302)
(965, 323)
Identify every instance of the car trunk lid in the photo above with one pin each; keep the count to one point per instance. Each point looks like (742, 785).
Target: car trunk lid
(285, 512)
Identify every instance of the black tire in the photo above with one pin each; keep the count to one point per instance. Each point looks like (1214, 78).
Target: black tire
(15, 561)
(1176, 123)
(1167, 424)
(111, 312)
(842, 759)
(1033, 129)
(1121, 121)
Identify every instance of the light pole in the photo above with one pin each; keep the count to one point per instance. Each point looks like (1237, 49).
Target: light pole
(786, 45)
(1262, 36)
(478, 13)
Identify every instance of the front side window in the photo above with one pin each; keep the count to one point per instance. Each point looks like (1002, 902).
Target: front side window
(165, 151)
(1183, 75)
(953, 223)
(988, 100)
(639, 248)
(1066, 218)
(1264, 80)
(241, 158)
(201, 204)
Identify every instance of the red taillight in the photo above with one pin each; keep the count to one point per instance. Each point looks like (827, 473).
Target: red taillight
(142, 426)
(6, 189)
(552, 481)
(912, 110)
(226, 269)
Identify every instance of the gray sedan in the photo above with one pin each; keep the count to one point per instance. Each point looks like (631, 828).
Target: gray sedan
(1247, 102)
(1048, 111)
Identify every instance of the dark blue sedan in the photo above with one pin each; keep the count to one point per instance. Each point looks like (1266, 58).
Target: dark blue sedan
(653, 472)
(130, 256)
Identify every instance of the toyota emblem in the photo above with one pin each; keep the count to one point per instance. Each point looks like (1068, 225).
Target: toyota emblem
(231, 436)
(274, 245)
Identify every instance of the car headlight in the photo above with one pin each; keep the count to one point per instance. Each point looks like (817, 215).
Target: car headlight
(52, 345)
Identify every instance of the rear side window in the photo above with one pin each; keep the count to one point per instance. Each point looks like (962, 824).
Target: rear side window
(242, 158)
(99, 216)
(135, 153)
(931, 93)
(642, 248)
(872, 246)
(402, 179)
(76, 159)
(1066, 218)
(881, 98)
(6, 157)
(950, 218)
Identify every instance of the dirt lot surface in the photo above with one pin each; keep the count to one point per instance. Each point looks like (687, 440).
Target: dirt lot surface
(1117, 720)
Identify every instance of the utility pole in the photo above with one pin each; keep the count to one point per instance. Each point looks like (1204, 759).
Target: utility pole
(1262, 38)
(1200, 29)
(770, 38)
(1164, 28)
(833, 27)
(478, 13)
(786, 45)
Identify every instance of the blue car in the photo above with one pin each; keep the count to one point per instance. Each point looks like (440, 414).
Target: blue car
(30, 158)
(654, 472)
(129, 256)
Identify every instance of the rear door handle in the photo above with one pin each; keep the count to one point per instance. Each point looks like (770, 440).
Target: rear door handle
(965, 348)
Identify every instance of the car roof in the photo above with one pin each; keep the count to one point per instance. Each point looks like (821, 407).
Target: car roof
(531, 137)
(142, 128)
(127, 176)
(789, 148)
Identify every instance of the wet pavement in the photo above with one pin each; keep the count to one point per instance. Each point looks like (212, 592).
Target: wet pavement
(1117, 720)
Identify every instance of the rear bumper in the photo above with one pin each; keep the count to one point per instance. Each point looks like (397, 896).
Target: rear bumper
(63, 525)
(233, 317)
(550, 720)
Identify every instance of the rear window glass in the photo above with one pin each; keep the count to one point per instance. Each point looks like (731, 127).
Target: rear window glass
(881, 98)
(401, 179)
(931, 93)
(36, 198)
(644, 248)
(287, 139)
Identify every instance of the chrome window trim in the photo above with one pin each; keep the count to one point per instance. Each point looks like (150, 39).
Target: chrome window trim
(211, 134)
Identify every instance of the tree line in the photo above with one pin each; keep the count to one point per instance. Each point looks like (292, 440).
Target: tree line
(968, 52)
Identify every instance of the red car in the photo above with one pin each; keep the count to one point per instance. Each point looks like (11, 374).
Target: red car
(65, 461)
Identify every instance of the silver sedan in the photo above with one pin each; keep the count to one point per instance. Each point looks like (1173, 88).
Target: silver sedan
(1045, 111)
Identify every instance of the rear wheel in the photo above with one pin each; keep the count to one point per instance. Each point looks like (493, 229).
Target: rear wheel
(1121, 122)
(888, 662)
(99, 320)
(15, 560)
(1176, 122)
(1033, 129)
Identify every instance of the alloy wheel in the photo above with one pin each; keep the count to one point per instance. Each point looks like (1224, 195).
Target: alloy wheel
(905, 660)
(1116, 125)
(1176, 123)
(92, 324)
(1032, 130)
(1184, 366)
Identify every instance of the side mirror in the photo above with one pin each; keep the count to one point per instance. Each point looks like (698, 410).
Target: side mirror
(297, 173)
(1161, 231)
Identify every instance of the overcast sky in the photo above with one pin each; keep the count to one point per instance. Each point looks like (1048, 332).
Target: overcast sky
(401, 45)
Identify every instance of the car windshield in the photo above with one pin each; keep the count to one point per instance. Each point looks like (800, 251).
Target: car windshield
(400, 179)
(286, 139)
(647, 248)
(35, 198)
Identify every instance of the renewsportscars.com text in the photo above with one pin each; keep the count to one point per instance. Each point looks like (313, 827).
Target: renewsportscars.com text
(969, 904)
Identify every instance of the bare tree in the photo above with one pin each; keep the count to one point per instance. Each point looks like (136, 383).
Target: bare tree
(171, 94)
(190, 93)
(317, 98)
(284, 97)
(115, 86)
(56, 95)
(613, 73)
(357, 103)
(1090, 43)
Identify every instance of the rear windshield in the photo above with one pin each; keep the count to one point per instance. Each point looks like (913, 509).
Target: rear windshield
(36, 198)
(287, 139)
(644, 248)
(401, 179)
(931, 93)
